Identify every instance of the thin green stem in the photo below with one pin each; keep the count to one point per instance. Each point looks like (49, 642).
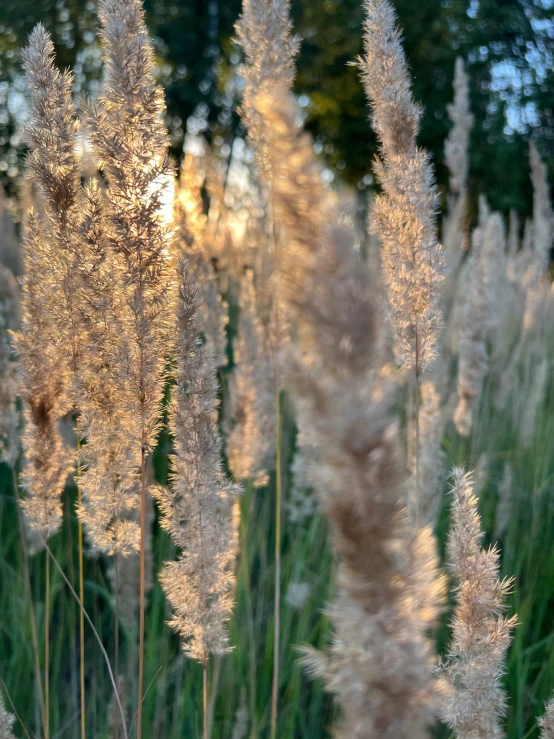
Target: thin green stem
(34, 635)
(116, 615)
(277, 595)
(14, 709)
(215, 682)
(96, 636)
(205, 698)
(82, 599)
(417, 441)
(245, 569)
(142, 588)
(417, 447)
(47, 651)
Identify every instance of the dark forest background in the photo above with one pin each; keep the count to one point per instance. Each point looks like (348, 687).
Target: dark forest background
(508, 46)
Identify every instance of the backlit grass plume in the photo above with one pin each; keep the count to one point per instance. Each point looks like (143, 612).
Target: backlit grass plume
(403, 216)
(251, 421)
(546, 721)
(7, 721)
(43, 383)
(124, 570)
(481, 634)
(130, 138)
(55, 166)
(10, 444)
(49, 344)
(488, 245)
(472, 360)
(456, 153)
(129, 135)
(240, 728)
(432, 420)
(111, 455)
(456, 148)
(197, 509)
(194, 234)
(543, 215)
(10, 253)
(264, 31)
(390, 592)
(531, 406)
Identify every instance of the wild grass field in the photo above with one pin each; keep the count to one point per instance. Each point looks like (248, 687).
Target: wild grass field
(276, 457)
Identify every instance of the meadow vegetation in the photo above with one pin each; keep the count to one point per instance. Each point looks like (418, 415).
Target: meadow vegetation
(275, 461)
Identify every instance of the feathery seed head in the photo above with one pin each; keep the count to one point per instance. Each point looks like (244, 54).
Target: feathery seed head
(124, 571)
(456, 150)
(488, 251)
(543, 215)
(380, 665)
(387, 81)
(194, 240)
(10, 442)
(115, 722)
(481, 635)
(55, 167)
(546, 721)
(52, 128)
(456, 147)
(128, 132)
(7, 721)
(252, 395)
(264, 31)
(240, 729)
(43, 381)
(111, 456)
(432, 420)
(403, 216)
(198, 508)
(535, 396)
(505, 500)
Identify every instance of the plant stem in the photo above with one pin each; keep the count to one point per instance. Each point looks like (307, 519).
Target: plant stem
(277, 594)
(417, 443)
(47, 651)
(116, 616)
(96, 636)
(82, 599)
(142, 589)
(245, 565)
(416, 410)
(14, 709)
(205, 701)
(34, 637)
(213, 696)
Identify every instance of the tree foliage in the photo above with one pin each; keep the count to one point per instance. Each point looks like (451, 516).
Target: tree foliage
(507, 46)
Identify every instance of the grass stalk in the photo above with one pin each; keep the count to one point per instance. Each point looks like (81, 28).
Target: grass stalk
(14, 709)
(277, 595)
(142, 588)
(245, 570)
(27, 578)
(47, 650)
(205, 698)
(417, 439)
(116, 616)
(96, 636)
(82, 599)
(213, 697)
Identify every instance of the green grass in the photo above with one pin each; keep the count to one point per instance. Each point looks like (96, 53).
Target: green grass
(172, 706)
